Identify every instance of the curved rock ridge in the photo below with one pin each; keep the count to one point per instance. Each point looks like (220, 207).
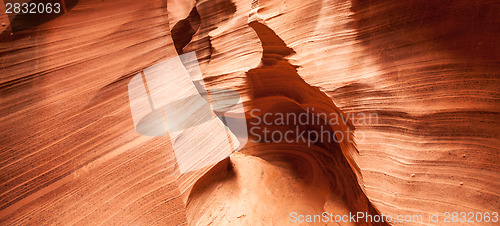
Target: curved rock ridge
(429, 70)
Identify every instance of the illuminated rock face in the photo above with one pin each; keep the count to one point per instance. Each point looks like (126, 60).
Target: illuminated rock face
(427, 71)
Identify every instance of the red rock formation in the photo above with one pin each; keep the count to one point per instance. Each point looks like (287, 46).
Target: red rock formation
(69, 153)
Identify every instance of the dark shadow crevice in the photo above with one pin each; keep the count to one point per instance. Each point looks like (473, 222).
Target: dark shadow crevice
(184, 30)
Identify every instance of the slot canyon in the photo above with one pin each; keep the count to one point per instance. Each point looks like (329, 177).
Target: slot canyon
(190, 112)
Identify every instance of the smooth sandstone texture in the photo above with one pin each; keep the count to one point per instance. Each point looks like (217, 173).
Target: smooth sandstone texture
(429, 70)
(69, 151)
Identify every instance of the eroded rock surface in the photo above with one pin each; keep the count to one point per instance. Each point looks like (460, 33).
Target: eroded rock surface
(428, 70)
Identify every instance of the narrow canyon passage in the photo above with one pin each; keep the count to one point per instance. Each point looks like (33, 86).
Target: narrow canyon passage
(429, 70)
(269, 180)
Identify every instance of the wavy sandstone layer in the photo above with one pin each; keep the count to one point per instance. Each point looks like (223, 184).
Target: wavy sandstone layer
(428, 71)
